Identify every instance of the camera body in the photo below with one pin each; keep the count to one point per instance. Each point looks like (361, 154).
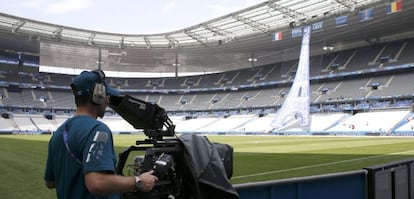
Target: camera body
(165, 159)
(164, 168)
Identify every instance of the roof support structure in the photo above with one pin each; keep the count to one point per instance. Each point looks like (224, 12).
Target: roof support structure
(16, 26)
(57, 34)
(347, 3)
(257, 25)
(173, 42)
(295, 15)
(196, 37)
(217, 30)
(147, 42)
(121, 43)
(91, 38)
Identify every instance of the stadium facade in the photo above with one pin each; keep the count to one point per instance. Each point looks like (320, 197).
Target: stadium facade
(237, 66)
(231, 74)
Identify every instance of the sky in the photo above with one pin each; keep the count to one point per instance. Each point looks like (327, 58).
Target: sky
(124, 16)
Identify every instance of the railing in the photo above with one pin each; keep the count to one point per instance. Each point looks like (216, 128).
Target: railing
(347, 185)
(394, 180)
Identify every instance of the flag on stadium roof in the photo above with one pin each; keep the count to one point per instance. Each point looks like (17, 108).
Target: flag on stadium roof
(393, 7)
(341, 20)
(317, 26)
(366, 14)
(297, 32)
(276, 36)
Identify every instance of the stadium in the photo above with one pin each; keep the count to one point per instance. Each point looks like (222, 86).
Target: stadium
(229, 78)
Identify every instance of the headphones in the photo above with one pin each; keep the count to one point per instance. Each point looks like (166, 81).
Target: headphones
(99, 91)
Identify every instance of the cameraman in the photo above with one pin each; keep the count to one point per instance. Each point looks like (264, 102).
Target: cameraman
(81, 158)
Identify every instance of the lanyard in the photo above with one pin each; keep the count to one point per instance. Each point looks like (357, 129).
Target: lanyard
(65, 140)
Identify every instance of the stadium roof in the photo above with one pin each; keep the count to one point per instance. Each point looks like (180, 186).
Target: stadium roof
(263, 18)
(227, 42)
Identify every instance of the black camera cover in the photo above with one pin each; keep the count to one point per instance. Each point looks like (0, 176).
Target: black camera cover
(140, 114)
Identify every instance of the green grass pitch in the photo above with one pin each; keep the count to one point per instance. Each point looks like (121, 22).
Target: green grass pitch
(256, 158)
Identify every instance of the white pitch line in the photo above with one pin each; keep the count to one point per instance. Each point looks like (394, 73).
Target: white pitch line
(319, 165)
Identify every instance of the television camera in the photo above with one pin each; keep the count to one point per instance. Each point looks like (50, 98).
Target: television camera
(176, 161)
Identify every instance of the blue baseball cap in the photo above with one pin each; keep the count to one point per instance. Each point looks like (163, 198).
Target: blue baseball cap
(84, 83)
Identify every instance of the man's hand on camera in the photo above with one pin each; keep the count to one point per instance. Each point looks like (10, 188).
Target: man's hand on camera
(148, 181)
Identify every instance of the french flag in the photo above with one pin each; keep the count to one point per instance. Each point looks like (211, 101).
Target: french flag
(276, 36)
